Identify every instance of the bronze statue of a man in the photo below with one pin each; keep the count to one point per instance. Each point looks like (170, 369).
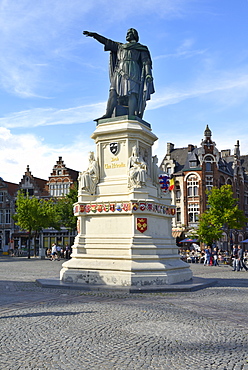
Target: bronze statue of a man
(131, 82)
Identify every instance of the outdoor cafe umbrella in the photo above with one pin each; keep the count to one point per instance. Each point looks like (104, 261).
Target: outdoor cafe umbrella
(188, 240)
(244, 241)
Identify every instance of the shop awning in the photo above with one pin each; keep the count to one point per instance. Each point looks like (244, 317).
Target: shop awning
(176, 234)
(187, 240)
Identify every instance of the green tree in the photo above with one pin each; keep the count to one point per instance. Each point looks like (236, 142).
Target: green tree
(33, 214)
(64, 209)
(207, 231)
(223, 213)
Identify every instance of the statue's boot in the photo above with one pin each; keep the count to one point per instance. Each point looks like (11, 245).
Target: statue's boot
(112, 103)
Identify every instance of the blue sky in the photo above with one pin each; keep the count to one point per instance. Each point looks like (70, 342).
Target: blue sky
(54, 81)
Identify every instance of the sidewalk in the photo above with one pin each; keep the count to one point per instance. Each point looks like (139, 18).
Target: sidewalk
(70, 330)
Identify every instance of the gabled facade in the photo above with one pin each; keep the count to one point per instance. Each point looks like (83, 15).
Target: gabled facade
(33, 186)
(197, 169)
(61, 179)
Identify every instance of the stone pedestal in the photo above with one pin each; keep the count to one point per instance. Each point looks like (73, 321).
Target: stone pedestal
(124, 233)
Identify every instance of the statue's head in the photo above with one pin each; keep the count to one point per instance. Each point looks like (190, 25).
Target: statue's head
(132, 34)
(91, 155)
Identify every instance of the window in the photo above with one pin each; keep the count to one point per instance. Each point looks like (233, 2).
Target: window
(1, 197)
(178, 191)
(59, 172)
(178, 214)
(192, 186)
(209, 182)
(209, 161)
(192, 164)
(1, 216)
(7, 216)
(193, 212)
(168, 170)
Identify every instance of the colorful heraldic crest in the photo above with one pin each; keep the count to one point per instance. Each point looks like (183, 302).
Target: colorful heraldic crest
(126, 207)
(141, 224)
(164, 181)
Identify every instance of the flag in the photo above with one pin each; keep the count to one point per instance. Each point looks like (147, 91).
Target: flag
(172, 184)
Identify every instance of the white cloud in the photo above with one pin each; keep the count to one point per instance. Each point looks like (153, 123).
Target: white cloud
(225, 90)
(18, 151)
(51, 116)
(36, 36)
(236, 85)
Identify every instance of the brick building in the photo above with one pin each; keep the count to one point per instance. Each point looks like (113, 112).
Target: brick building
(7, 209)
(59, 183)
(197, 169)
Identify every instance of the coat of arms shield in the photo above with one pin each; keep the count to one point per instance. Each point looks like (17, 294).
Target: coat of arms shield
(141, 224)
(114, 148)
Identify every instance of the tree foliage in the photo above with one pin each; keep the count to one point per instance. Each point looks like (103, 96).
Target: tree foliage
(33, 214)
(223, 213)
(64, 209)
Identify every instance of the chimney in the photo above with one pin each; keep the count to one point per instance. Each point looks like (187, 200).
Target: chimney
(225, 153)
(170, 147)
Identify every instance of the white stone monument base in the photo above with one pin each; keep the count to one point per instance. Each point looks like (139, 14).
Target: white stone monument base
(124, 228)
(117, 279)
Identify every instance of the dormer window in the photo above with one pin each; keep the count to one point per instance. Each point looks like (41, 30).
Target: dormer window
(59, 172)
(192, 164)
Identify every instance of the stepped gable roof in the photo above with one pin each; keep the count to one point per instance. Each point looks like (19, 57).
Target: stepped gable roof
(60, 165)
(37, 182)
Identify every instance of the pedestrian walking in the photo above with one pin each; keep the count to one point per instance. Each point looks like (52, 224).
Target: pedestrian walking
(241, 263)
(208, 255)
(236, 266)
(58, 249)
(54, 251)
(215, 257)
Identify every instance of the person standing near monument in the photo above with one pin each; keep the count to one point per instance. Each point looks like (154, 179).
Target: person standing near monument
(131, 81)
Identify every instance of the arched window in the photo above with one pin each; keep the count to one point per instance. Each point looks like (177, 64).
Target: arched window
(192, 186)
(209, 163)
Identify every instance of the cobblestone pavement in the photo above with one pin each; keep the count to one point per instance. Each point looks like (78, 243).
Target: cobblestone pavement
(62, 329)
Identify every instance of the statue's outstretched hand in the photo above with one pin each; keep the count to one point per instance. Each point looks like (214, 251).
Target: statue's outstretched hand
(87, 33)
(149, 78)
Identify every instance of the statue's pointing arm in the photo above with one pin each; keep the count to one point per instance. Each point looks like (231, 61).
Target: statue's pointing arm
(96, 36)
